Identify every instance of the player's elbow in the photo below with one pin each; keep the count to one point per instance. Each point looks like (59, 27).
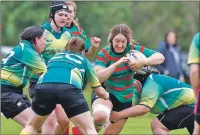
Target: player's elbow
(161, 58)
(144, 110)
(194, 70)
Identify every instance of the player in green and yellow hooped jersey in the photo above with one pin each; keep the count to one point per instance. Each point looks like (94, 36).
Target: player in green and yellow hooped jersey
(62, 83)
(112, 69)
(172, 99)
(17, 67)
(76, 31)
(194, 62)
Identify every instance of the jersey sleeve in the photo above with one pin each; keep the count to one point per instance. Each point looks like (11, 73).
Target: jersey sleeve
(86, 41)
(147, 52)
(194, 53)
(102, 58)
(33, 60)
(151, 92)
(91, 75)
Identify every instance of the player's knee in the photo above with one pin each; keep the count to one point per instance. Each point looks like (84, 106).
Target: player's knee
(100, 116)
(155, 124)
(63, 123)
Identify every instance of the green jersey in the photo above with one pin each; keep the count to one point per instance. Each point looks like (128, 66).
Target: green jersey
(55, 42)
(194, 54)
(120, 83)
(70, 68)
(20, 64)
(162, 93)
(79, 32)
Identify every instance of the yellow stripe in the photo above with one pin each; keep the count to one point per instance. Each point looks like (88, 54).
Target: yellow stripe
(197, 60)
(11, 77)
(25, 133)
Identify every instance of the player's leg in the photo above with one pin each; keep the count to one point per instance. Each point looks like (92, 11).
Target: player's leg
(76, 108)
(101, 110)
(62, 120)
(15, 106)
(43, 104)
(49, 125)
(115, 128)
(177, 118)
(83, 119)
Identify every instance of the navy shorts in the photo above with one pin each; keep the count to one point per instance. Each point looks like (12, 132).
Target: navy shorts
(177, 118)
(49, 94)
(13, 103)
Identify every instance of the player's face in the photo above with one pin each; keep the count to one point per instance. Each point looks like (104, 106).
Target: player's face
(40, 43)
(137, 86)
(171, 38)
(61, 18)
(70, 14)
(119, 43)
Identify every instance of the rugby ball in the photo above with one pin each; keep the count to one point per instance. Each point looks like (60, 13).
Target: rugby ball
(136, 55)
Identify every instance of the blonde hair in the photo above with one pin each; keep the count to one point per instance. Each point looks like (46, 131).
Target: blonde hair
(120, 28)
(76, 45)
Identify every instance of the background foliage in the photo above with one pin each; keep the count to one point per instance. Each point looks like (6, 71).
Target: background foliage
(148, 20)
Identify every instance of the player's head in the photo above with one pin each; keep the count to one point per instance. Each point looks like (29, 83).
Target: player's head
(36, 36)
(76, 45)
(120, 35)
(58, 13)
(71, 10)
(141, 77)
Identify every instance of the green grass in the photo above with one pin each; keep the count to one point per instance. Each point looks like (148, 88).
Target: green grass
(138, 125)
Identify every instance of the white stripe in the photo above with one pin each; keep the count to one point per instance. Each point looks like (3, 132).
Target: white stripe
(162, 118)
(16, 65)
(175, 89)
(151, 77)
(24, 72)
(184, 119)
(164, 103)
(70, 78)
(22, 45)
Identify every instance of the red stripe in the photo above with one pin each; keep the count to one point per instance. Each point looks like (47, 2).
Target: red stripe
(76, 33)
(129, 96)
(132, 47)
(141, 49)
(108, 56)
(102, 59)
(117, 88)
(127, 78)
(121, 68)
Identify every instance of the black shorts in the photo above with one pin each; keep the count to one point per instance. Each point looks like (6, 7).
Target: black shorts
(49, 94)
(13, 103)
(117, 105)
(177, 118)
(32, 87)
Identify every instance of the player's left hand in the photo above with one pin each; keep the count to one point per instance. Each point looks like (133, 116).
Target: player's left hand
(137, 64)
(114, 117)
(95, 41)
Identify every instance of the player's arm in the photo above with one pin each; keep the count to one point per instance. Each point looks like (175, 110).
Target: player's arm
(194, 61)
(153, 58)
(149, 97)
(134, 111)
(95, 42)
(105, 72)
(194, 77)
(94, 81)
